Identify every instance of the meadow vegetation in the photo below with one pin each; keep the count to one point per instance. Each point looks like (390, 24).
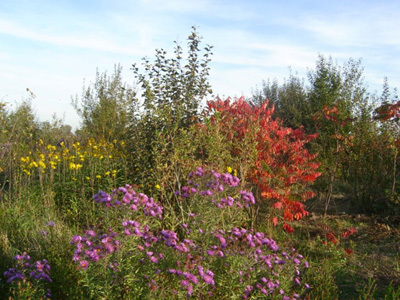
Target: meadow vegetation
(292, 193)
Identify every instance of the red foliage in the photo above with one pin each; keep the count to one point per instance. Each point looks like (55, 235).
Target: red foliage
(388, 111)
(349, 232)
(284, 167)
(332, 238)
(348, 251)
(287, 227)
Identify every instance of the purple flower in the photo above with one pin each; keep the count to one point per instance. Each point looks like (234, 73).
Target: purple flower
(76, 238)
(191, 277)
(50, 223)
(208, 279)
(84, 264)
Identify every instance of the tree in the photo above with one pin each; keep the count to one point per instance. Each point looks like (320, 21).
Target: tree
(106, 106)
(175, 85)
(172, 91)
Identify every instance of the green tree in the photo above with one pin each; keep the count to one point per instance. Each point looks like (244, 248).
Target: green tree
(106, 107)
(172, 91)
(176, 85)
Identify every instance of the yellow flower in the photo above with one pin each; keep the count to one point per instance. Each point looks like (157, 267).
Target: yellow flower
(158, 186)
(110, 156)
(42, 164)
(87, 177)
(235, 173)
(72, 166)
(51, 148)
(40, 142)
(229, 169)
(98, 176)
(114, 173)
(74, 179)
(107, 173)
(78, 166)
(27, 172)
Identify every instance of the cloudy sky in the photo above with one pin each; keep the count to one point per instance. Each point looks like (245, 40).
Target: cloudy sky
(52, 47)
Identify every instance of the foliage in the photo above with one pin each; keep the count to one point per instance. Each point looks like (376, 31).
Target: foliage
(283, 167)
(173, 89)
(106, 107)
(356, 153)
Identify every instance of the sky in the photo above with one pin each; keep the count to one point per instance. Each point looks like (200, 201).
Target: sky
(54, 48)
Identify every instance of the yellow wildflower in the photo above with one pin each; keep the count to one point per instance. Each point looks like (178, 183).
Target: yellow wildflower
(98, 176)
(229, 169)
(51, 148)
(158, 186)
(52, 164)
(42, 164)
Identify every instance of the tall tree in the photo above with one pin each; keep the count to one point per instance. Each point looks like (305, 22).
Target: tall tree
(105, 106)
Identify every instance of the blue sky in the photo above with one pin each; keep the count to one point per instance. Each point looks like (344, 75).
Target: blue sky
(52, 47)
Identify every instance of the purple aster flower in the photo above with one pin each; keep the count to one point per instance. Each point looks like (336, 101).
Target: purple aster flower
(208, 279)
(84, 264)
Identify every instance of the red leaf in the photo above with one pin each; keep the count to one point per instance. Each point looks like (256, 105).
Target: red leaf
(275, 221)
(348, 251)
(287, 228)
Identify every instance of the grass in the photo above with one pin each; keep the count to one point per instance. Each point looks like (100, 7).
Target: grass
(371, 271)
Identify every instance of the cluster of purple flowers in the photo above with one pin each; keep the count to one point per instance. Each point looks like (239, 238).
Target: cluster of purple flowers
(188, 278)
(130, 199)
(217, 183)
(265, 255)
(92, 246)
(264, 263)
(24, 270)
(40, 270)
